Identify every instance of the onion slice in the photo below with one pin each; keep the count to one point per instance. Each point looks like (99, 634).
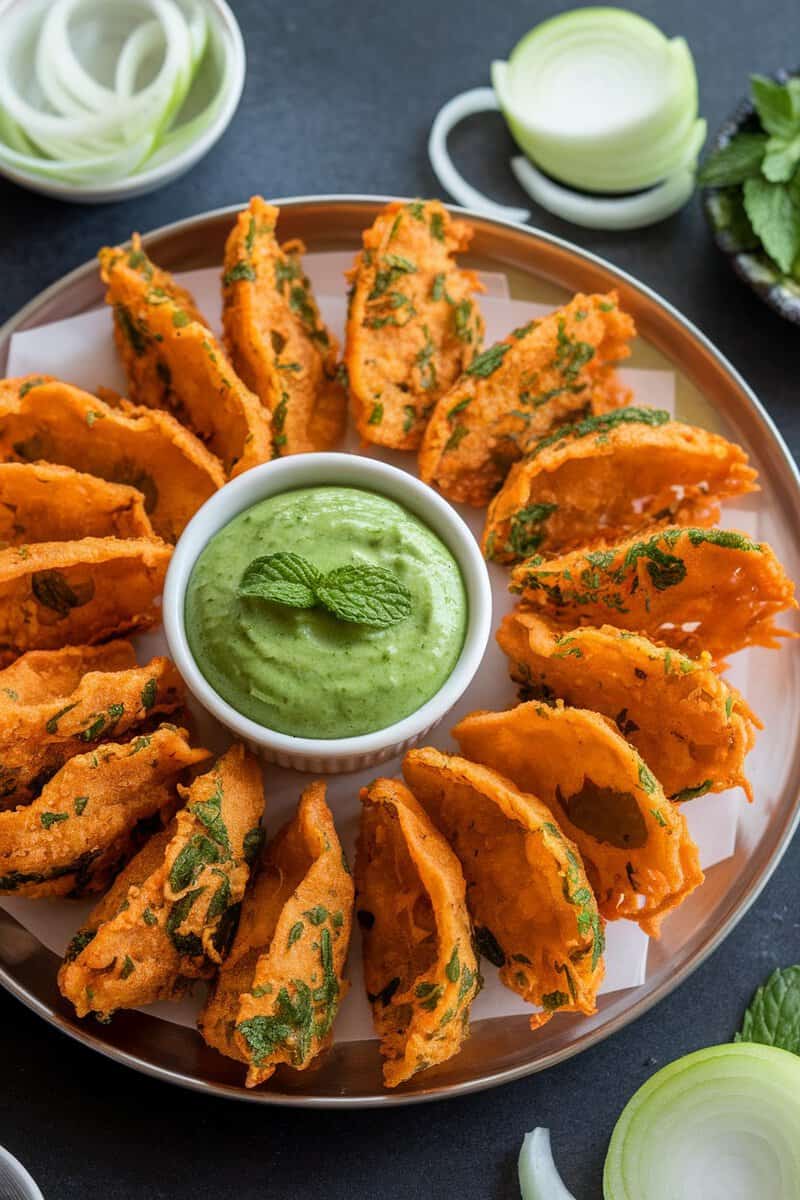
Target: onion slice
(721, 1124)
(538, 1177)
(613, 212)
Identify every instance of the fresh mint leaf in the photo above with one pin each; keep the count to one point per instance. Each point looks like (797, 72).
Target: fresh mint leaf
(781, 158)
(773, 1017)
(365, 595)
(282, 578)
(775, 216)
(777, 105)
(739, 160)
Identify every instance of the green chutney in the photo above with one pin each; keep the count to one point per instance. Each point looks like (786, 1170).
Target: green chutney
(304, 671)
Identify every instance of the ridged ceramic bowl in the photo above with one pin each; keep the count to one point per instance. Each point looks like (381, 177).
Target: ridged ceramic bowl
(330, 755)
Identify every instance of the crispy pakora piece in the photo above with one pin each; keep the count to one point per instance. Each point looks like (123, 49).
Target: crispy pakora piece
(81, 830)
(173, 361)
(71, 700)
(694, 589)
(534, 913)
(420, 966)
(639, 856)
(54, 594)
(42, 418)
(413, 325)
(276, 338)
(691, 727)
(169, 917)
(43, 503)
(548, 372)
(278, 991)
(605, 477)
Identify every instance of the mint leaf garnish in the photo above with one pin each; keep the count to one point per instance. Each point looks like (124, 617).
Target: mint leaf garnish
(741, 159)
(775, 216)
(282, 578)
(773, 1017)
(365, 596)
(777, 105)
(361, 594)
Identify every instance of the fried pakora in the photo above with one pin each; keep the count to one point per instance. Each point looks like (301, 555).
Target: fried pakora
(276, 338)
(420, 967)
(639, 856)
(54, 594)
(278, 991)
(550, 371)
(43, 503)
(170, 915)
(413, 325)
(74, 838)
(173, 361)
(688, 724)
(605, 477)
(42, 418)
(55, 704)
(534, 913)
(694, 589)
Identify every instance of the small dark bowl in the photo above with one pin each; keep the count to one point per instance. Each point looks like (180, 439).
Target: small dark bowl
(749, 261)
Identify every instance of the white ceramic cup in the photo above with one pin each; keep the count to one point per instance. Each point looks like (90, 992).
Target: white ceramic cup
(330, 755)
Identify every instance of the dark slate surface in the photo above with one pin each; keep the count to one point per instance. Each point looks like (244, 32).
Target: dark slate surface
(339, 98)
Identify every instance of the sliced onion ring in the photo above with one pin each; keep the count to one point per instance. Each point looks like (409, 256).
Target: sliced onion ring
(538, 1177)
(719, 1123)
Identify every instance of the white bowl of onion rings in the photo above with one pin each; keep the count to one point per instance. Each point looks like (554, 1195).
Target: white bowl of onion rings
(104, 101)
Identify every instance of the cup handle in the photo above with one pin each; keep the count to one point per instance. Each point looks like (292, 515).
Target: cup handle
(482, 99)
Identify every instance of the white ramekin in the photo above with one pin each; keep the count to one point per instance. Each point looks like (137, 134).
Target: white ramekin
(330, 755)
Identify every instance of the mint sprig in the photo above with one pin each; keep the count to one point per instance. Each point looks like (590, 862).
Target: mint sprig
(359, 594)
(773, 1017)
(763, 171)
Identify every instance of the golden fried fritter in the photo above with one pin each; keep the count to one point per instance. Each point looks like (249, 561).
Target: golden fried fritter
(54, 594)
(420, 967)
(535, 915)
(173, 361)
(412, 324)
(694, 589)
(43, 503)
(55, 704)
(276, 338)
(605, 477)
(42, 418)
(278, 991)
(639, 856)
(691, 727)
(75, 837)
(548, 372)
(171, 914)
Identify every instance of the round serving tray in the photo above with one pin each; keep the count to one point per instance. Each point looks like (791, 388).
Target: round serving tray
(540, 268)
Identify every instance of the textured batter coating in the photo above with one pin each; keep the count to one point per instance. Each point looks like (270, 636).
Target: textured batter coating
(81, 830)
(173, 360)
(55, 594)
(42, 418)
(694, 589)
(603, 478)
(412, 323)
(534, 912)
(43, 503)
(171, 914)
(76, 701)
(276, 338)
(420, 966)
(548, 372)
(276, 997)
(639, 856)
(691, 727)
